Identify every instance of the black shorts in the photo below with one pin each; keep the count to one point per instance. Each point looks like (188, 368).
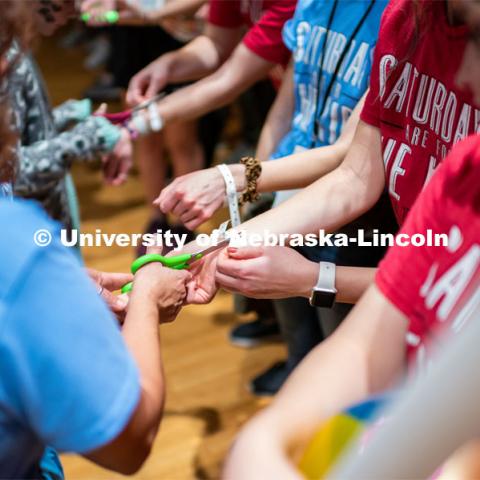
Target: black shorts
(133, 48)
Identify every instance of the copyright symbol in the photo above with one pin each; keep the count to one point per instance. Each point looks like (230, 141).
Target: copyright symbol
(42, 238)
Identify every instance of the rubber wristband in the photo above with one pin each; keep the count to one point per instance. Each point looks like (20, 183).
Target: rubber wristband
(232, 197)
(156, 121)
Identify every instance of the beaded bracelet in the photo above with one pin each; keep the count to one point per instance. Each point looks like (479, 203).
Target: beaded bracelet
(253, 169)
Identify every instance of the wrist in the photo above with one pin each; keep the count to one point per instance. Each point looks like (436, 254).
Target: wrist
(238, 174)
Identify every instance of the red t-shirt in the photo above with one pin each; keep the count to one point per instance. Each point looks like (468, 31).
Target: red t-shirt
(265, 20)
(413, 98)
(437, 287)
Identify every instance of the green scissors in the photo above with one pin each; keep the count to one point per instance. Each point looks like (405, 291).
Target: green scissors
(177, 262)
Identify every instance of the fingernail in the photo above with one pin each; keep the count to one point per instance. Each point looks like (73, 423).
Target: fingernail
(232, 249)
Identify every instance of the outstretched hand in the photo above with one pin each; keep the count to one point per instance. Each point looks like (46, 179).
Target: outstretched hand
(193, 198)
(266, 272)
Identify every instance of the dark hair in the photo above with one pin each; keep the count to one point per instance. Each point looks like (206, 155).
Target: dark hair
(15, 25)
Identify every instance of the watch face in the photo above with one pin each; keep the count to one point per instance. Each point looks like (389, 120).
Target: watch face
(322, 298)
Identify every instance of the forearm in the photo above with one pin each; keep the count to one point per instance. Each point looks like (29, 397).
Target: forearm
(216, 90)
(364, 356)
(43, 163)
(197, 59)
(279, 119)
(335, 199)
(141, 333)
(301, 169)
(176, 7)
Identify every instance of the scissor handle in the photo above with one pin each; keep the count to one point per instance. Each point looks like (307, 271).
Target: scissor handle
(177, 262)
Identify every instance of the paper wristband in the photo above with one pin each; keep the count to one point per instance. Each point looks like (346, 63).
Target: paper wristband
(156, 121)
(231, 194)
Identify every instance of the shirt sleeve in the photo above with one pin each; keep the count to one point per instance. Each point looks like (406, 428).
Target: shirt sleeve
(72, 379)
(265, 37)
(371, 109)
(225, 14)
(289, 37)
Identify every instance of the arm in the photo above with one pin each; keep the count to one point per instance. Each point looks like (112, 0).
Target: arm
(281, 272)
(335, 199)
(284, 173)
(279, 119)
(71, 112)
(195, 197)
(43, 163)
(365, 355)
(195, 60)
(130, 13)
(242, 69)
(157, 295)
(329, 203)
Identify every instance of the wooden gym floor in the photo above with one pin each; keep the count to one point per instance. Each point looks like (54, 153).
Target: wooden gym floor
(206, 376)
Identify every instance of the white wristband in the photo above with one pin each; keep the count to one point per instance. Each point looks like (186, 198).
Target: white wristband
(232, 198)
(156, 121)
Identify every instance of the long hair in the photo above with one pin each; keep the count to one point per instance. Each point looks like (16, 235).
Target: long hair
(15, 26)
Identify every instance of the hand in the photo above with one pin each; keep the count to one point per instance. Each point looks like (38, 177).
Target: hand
(266, 272)
(119, 161)
(165, 287)
(202, 287)
(97, 9)
(194, 197)
(149, 81)
(107, 283)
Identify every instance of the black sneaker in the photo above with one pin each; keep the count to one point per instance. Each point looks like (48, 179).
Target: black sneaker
(254, 333)
(181, 230)
(269, 382)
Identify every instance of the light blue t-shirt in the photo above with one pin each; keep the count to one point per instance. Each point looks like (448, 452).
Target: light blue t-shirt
(66, 377)
(305, 35)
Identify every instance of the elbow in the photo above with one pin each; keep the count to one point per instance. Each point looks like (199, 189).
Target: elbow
(134, 462)
(136, 454)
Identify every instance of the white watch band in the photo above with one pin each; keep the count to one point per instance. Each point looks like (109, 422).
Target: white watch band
(326, 277)
(232, 197)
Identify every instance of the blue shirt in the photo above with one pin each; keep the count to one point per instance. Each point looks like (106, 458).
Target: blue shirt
(305, 35)
(66, 377)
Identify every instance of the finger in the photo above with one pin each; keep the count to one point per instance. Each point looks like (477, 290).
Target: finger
(111, 169)
(232, 268)
(153, 87)
(180, 209)
(114, 302)
(135, 90)
(229, 283)
(154, 249)
(123, 170)
(102, 109)
(169, 200)
(115, 281)
(245, 253)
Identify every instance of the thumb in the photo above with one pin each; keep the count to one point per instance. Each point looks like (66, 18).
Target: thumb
(245, 253)
(154, 249)
(102, 109)
(153, 87)
(114, 302)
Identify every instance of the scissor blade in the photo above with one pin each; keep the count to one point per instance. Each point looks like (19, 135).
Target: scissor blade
(146, 103)
(212, 248)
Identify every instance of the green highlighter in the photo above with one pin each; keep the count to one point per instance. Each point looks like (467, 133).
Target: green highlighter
(111, 16)
(177, 262)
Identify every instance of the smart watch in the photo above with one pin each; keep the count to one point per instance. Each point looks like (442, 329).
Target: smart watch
(324, 292)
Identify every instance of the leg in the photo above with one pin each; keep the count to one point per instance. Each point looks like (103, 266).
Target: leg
(184, 147)
(152, 167)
